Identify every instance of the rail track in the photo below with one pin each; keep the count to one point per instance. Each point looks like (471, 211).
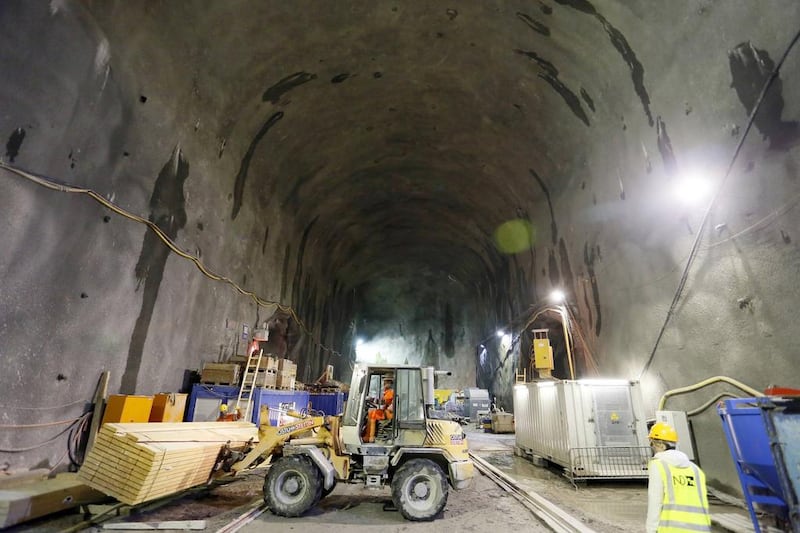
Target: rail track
(549, 513)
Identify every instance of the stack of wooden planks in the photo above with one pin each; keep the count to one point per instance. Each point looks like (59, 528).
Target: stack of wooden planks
(135, 463)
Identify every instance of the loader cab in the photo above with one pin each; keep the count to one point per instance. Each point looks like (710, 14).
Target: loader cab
(365, 425)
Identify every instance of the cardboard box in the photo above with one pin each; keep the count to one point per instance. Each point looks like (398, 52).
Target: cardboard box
(287, 365)
(222, 373)
(127, 408)
(285, 380)
(270, 363)
(267, 378)
(502, 423)
(168, 407)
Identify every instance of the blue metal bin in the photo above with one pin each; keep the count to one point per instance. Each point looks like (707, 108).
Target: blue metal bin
(278, 401)
(763, 435)
(330, 403)
(205, 400)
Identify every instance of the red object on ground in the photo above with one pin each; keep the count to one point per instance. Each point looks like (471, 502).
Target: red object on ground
(774, 390)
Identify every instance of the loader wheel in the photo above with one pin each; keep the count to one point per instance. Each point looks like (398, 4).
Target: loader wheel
(419, 490)
(293, 486)
(325, 491)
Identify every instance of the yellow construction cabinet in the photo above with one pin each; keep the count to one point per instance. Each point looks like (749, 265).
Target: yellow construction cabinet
(168, 407)
(127, 408)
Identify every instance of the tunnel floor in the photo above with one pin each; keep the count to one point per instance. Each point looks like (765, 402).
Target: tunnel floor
(602, 506)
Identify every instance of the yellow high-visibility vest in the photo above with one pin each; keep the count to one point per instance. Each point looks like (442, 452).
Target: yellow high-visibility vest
(685, 504)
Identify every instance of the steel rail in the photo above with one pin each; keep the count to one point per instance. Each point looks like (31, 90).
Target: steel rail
(254, 510)
(549, 513)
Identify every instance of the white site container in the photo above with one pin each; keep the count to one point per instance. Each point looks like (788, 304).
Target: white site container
(593, 428)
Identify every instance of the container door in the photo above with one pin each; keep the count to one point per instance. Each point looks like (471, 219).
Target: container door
(613, 414)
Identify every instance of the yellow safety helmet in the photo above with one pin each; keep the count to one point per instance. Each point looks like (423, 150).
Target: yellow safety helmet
(663, 431)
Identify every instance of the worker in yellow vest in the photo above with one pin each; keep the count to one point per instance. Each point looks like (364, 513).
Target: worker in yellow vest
(676, 489)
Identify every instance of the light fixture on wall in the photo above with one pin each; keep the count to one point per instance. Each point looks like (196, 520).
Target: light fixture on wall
(692, 188)
(558, 297)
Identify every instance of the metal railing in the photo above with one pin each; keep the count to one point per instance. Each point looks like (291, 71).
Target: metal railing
(608, 462)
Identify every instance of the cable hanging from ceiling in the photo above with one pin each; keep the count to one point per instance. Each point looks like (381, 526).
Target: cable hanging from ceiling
(52, 184)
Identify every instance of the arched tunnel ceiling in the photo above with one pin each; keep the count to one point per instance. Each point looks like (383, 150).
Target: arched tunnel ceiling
(401, 134)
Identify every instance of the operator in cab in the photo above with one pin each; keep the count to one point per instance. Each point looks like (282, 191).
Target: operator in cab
(387, 406)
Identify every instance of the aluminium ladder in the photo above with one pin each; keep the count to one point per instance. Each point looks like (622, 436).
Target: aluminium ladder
(248, 385)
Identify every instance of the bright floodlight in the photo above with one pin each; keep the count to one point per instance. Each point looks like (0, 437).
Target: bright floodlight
(359, 341)
(500, 333)
(692, 188)
(557, 296)
(505, 340)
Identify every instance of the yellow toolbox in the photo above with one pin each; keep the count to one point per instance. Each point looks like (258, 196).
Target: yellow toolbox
(128, 408)
(168, 407)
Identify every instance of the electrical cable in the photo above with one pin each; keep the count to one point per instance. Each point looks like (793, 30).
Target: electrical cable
(712, 401)
(707, 214)
(42, 444)
(76, 402)
(52, 184)
(75, 437)
(762, 223)
(41, 425)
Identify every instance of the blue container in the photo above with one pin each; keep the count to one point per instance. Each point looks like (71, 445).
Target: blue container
(278, 402)
(330, 403)
(204, 402)
(763, 435)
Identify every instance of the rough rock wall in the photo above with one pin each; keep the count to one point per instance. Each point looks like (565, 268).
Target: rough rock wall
(85, 289)
(617, 239)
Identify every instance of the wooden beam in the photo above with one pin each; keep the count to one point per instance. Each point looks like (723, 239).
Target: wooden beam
(169, 524)
(99, 405)
(34, 500)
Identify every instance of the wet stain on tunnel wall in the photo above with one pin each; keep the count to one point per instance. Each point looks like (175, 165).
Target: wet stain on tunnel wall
(589, 258)
(665, 148)
(167, 211)
(534, 24)
(14, 144)
(549, 73)
(241, 176)
(274, 93)
(546, 192)
(622, 46)
(751, 68)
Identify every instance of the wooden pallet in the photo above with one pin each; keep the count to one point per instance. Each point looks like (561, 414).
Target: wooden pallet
(135, 463)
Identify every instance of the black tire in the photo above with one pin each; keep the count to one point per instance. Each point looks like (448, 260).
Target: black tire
(292, 486)
(325, 491)
(419, 490)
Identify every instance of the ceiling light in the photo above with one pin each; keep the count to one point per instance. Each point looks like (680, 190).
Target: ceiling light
(692, 188)
(557, 296)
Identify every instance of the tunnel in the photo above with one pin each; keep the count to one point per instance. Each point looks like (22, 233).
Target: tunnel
(396, 182)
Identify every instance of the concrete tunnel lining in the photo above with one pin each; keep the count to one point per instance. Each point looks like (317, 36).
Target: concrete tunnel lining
(353, 161)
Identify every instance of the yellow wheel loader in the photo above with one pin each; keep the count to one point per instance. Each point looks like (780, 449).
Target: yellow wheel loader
(418, 457)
